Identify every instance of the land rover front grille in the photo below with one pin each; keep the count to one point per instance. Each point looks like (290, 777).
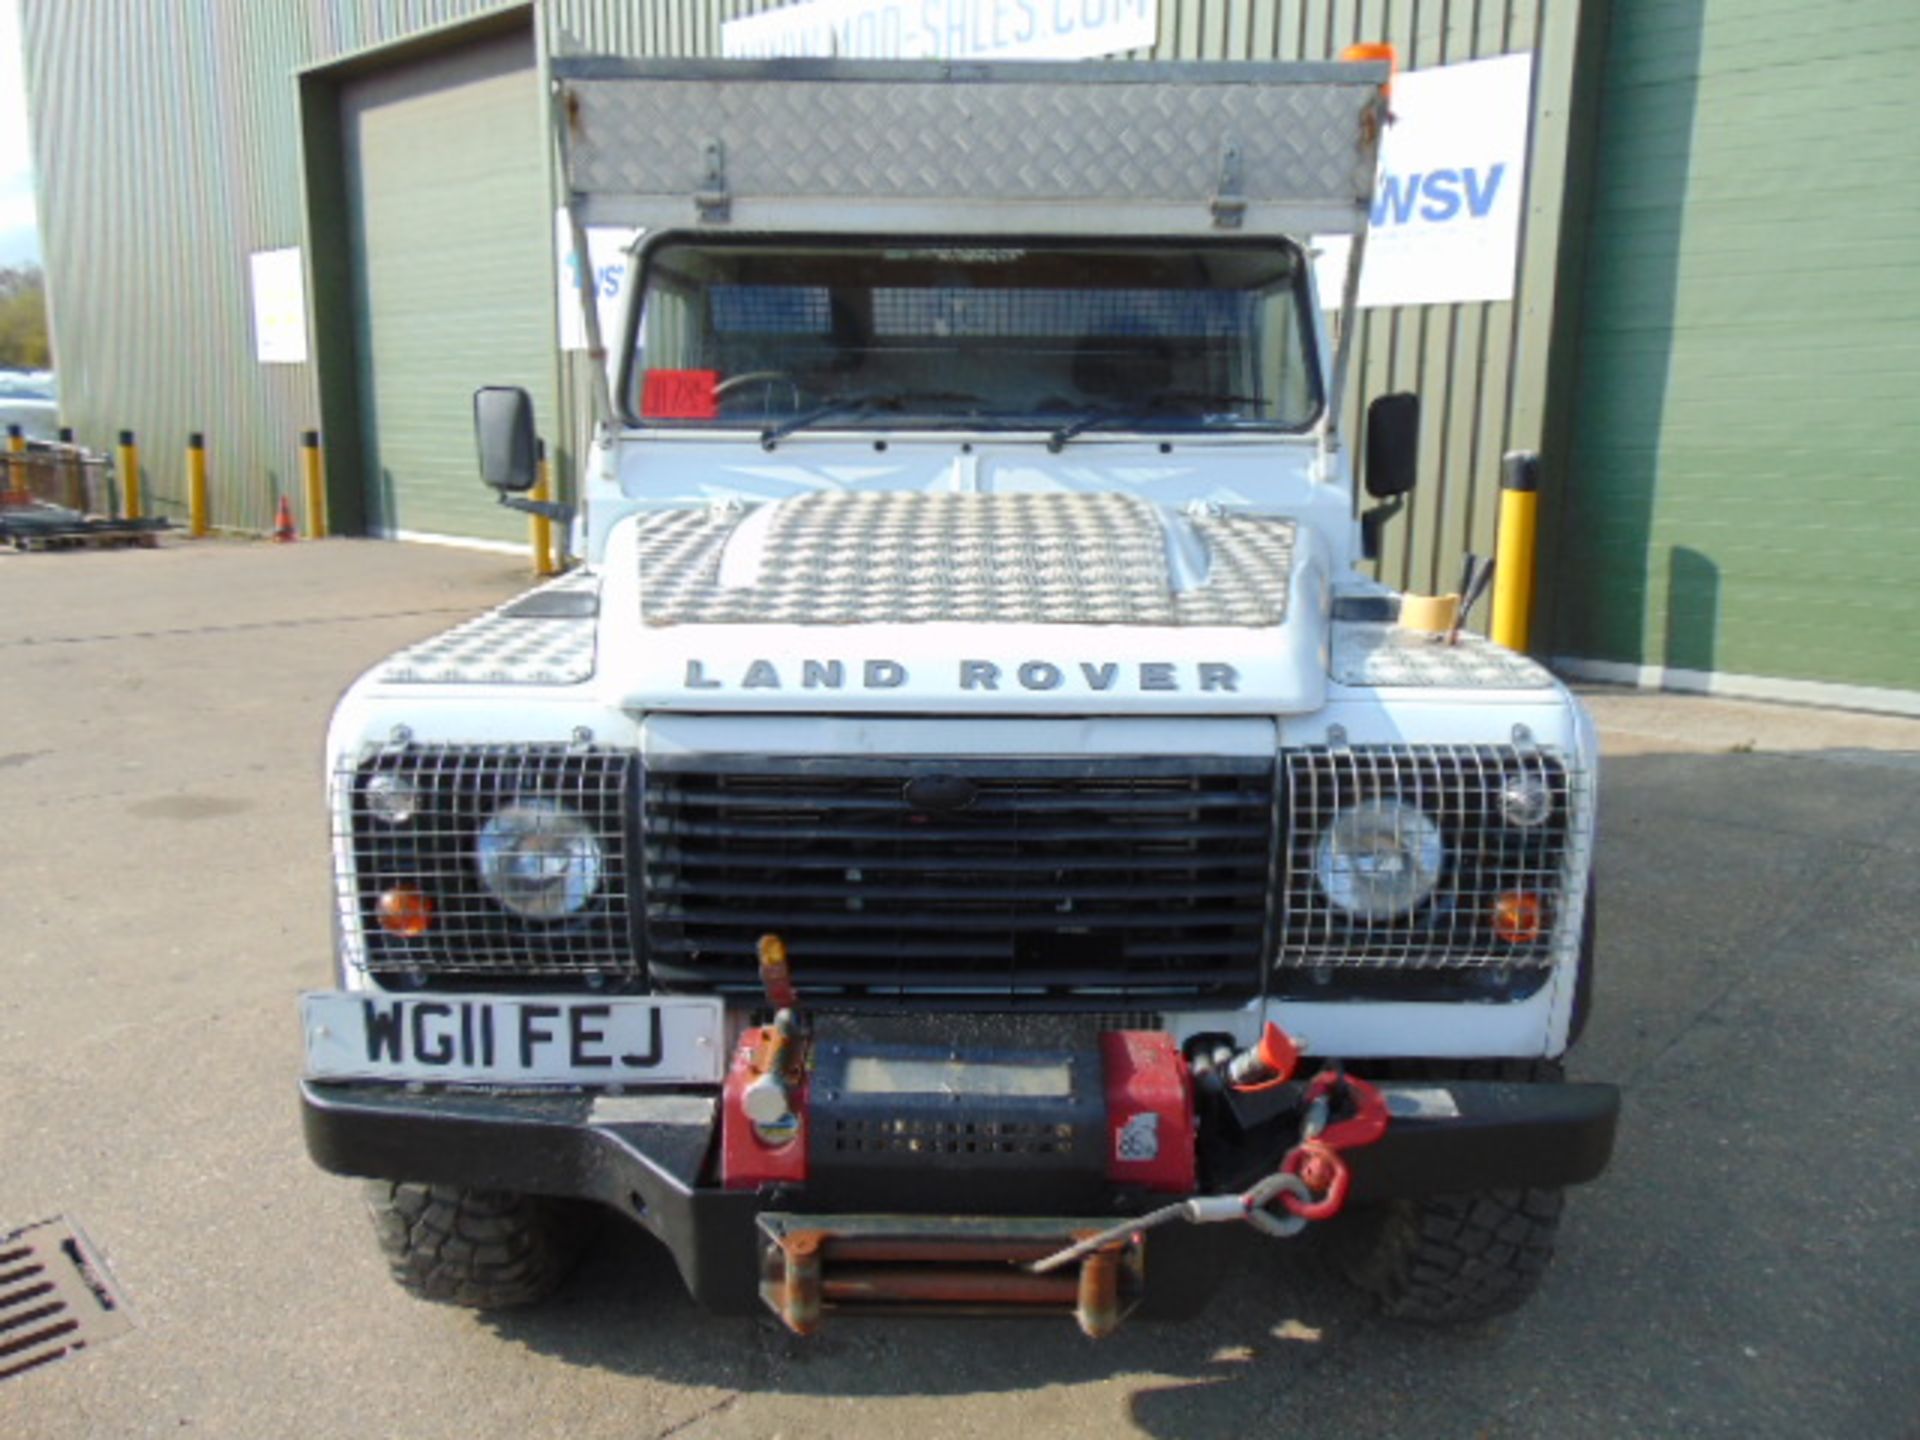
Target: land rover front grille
(1008, 877)
(1099, 880)
(1483, 856)
(413, 817)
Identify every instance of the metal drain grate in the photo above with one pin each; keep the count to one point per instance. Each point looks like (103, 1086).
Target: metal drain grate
(56, 1296)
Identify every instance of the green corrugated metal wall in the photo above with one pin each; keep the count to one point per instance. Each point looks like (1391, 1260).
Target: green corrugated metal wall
(188, 120)
(167, 146)
(1743, 496)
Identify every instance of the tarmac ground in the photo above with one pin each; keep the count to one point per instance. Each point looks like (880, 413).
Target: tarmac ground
(1748, 1267)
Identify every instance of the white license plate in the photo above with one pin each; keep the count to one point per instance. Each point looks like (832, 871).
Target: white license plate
(514, 1039)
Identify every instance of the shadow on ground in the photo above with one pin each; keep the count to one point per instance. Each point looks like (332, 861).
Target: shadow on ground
(1280, 1314)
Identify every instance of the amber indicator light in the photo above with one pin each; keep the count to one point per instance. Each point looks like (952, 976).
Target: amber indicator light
(1518, 917)
(404, 912)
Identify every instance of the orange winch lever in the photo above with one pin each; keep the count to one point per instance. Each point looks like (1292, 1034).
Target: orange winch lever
(776, 976)
(1268, 1064)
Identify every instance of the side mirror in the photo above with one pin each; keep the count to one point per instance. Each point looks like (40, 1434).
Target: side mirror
(503, 428)
(1393, 445)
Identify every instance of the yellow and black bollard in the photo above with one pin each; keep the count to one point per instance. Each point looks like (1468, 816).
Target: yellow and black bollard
(13, 474)
(1514, 549)
(129, 467)
(313, 476)
(540, 530)
(73, 475)
(197, 521)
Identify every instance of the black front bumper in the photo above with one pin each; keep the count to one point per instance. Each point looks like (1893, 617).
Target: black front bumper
(646, 1156)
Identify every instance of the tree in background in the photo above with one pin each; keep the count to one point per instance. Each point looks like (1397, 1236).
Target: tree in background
(23, 318)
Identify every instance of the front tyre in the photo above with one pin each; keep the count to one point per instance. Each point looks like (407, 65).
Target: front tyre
(486, 1249)
(1450, 1259)
(1453, 1259)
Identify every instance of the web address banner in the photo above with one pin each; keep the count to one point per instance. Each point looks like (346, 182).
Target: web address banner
(945, 29)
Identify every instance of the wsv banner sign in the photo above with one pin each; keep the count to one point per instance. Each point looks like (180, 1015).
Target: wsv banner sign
(945, 29)
(1446, 210)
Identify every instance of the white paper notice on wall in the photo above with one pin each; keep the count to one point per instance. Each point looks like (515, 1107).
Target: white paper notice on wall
(279, 307)
(607, 245)
(1446, 209)
(945, 29)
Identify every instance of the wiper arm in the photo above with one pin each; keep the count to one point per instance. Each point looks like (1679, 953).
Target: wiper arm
(1057, 441)
(849, 405)
(854, 407)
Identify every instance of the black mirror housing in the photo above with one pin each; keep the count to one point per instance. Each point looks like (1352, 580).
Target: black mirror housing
(503, 429)
(1393, 445)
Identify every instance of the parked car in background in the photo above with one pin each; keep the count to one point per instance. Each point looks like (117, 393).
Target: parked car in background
(31, 400)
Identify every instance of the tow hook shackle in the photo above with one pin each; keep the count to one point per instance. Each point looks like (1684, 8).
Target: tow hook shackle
(1368, 1121)
(1320, 1169)
(1316, 1161)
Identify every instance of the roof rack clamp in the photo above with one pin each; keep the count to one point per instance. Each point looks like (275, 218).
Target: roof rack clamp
(712, 201)
(1229, 196)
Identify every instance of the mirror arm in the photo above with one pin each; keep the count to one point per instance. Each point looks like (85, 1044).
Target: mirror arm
(1373, 521)
(546, 509)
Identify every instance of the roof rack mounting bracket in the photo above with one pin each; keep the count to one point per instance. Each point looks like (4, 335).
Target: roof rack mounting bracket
(712, 201)
(1229, 196)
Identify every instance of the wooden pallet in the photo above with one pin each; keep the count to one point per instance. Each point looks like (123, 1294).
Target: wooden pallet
(41, 526)
(90, 539)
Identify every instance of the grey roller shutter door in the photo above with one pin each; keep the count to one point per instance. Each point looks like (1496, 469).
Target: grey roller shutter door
(452, 235)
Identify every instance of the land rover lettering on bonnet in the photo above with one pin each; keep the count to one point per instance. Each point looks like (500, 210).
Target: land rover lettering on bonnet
(970, 829)
(984, 675)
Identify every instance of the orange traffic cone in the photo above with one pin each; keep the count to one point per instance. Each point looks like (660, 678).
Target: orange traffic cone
(283, 524)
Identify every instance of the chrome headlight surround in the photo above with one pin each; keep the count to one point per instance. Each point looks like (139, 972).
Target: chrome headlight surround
(539, 859)
(1379, 859)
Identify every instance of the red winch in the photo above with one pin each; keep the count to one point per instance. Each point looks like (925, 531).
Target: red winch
(1146, 1105)
(922, 1149)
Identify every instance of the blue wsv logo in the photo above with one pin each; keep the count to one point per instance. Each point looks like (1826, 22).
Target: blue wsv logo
(607, 279)
(1436, 195)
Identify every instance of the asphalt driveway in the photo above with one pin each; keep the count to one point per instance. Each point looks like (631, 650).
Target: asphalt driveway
(1749, 1267)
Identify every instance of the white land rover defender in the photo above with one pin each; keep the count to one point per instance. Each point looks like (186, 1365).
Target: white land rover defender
(970, 815)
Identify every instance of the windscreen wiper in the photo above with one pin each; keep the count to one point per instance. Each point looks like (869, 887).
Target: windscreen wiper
(1113, 414)
(855, 407)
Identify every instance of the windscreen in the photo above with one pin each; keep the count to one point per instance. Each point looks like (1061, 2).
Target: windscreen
(1132, 336)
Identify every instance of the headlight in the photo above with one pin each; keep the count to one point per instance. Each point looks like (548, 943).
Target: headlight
(539, 859)
(1379, 859)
